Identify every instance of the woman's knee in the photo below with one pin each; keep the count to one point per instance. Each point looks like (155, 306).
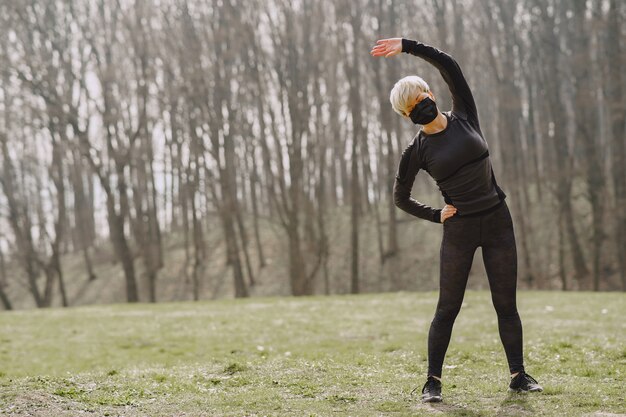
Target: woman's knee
(506, 311)
(447, 313)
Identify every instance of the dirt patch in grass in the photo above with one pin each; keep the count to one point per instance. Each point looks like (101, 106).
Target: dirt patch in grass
(37, 404)
(41, 404)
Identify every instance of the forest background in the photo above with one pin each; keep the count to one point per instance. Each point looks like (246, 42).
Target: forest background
(185, 149)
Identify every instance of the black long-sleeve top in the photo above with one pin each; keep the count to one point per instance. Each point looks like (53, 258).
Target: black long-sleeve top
(457, 158)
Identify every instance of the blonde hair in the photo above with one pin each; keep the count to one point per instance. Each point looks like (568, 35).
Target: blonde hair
(405, 91)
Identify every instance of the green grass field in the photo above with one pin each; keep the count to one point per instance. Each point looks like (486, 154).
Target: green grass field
(310, 356)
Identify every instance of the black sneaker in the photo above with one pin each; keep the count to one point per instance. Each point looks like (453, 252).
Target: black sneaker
(522, 382)
(431, 391)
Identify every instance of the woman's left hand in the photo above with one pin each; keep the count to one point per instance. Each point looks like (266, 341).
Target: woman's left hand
(387, 47)
(448, 211)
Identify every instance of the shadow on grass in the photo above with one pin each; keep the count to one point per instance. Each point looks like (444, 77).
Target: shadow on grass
(444, 408)
(515, 404)
(453, 410)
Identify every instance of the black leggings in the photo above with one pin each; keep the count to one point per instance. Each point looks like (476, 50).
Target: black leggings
(461, 236)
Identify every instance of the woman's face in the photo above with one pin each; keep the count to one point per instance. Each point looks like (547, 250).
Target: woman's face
(421, 96)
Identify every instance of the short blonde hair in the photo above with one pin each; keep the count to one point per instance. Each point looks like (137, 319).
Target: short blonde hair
(405, 91)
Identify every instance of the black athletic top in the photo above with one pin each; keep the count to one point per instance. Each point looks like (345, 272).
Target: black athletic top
(457, 158)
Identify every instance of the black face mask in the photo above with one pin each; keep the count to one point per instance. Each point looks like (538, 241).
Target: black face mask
(424, 113)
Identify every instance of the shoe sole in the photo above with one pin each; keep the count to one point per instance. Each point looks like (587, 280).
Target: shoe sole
(433, 399)
(519, 390)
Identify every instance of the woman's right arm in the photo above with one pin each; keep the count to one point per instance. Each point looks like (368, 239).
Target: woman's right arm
(405, 177)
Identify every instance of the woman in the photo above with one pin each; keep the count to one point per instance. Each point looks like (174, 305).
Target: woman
(451, 148)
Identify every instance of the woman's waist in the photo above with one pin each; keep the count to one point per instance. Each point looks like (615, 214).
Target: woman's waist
(498, 205)
(475, 204)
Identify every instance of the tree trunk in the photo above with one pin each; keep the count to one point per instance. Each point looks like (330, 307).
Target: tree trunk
(615, 95)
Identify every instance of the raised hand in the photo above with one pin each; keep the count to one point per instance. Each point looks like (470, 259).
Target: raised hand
(387, 47)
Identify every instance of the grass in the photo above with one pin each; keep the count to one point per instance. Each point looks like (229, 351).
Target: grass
(310, 356)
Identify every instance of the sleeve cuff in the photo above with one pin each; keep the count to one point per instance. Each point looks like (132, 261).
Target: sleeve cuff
(405, 45)
(437, 216)
(409, 45)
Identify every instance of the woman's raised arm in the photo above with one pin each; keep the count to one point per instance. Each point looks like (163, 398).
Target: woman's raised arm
(462, 98)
